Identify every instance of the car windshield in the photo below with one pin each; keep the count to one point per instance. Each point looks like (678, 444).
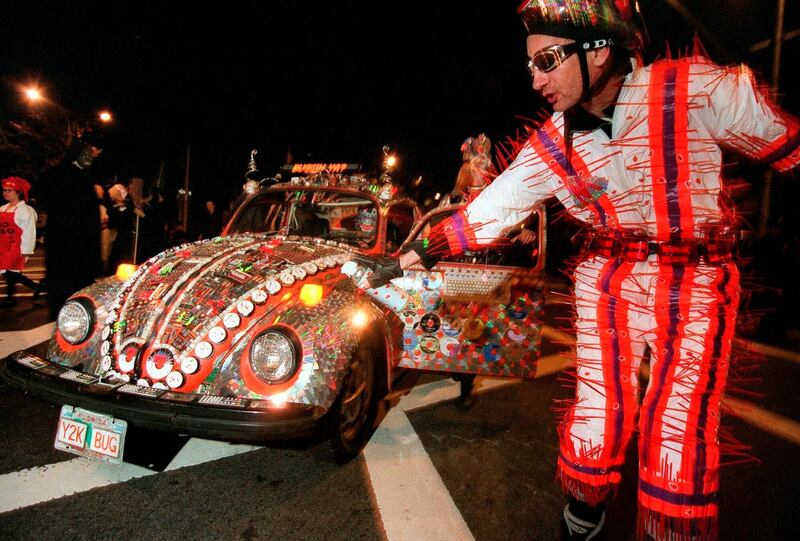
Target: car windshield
(347, 217)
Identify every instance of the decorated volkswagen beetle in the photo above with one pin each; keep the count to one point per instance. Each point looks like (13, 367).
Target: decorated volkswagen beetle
(258, 335)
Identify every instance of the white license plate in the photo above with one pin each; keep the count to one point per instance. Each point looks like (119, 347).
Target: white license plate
(93, 435)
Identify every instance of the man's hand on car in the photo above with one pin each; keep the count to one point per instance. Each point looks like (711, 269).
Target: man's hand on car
(384, 268)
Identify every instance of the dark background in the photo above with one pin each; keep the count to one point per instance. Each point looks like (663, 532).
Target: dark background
(326, 81)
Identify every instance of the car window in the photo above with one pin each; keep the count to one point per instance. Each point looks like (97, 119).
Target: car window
(399, 222)
(346, 217)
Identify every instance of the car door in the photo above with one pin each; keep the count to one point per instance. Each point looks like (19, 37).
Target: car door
(478, 313)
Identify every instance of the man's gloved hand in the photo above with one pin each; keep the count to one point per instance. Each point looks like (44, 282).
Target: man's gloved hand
(384, 268)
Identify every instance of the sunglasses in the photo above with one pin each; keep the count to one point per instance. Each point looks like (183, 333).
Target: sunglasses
(549, 58)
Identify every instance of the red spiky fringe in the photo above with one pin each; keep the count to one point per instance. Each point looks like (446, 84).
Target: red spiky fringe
(657, 526)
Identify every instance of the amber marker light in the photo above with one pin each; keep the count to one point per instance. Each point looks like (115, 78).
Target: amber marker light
(311, 294)
(125, 271)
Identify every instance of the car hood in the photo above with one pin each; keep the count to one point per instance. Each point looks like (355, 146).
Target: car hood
(184, 313)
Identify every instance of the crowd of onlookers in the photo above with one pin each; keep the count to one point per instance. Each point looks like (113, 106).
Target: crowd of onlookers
(88, 228)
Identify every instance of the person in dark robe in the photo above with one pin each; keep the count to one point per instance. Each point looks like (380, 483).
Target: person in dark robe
(72, 240)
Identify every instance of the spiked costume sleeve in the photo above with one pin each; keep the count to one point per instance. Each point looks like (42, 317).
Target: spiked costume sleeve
(741, 117)
(507, 201)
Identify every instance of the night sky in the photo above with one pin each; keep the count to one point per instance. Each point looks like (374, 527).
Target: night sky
(328, 81)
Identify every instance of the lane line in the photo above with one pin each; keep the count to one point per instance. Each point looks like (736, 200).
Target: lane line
(557, 336)
(775, 424)
(11, 341)
(52, 481)
(37, 485)
(411, 497)
(407, 487)
(447, 389)
(551, 364)
(198, 451)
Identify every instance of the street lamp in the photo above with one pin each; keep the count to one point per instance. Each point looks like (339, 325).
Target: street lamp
(33, 94)
(105, 117)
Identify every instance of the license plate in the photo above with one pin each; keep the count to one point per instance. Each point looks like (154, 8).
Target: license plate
(93, 435)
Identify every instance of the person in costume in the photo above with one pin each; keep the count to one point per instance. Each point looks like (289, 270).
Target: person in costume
(72, 239)
(476, 172)
(122, 224)
(635, 152)
(17, 235)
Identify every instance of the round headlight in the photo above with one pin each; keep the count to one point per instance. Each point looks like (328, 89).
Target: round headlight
(273, 357)
(74, 322)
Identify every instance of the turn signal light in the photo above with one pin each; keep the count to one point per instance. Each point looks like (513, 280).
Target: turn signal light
(311, 294)
(125, 271)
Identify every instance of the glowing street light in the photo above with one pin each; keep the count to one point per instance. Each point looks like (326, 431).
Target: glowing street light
(105, 117)
(33, 94)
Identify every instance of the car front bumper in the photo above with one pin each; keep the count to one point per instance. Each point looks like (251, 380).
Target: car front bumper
(212, 417)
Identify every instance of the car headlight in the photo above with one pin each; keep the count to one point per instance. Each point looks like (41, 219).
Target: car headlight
(74, 322)
(273, 357)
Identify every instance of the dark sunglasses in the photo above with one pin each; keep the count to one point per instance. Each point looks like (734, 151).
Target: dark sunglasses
(549, 58)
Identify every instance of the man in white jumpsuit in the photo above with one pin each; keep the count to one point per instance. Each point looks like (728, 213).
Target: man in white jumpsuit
(635, 152)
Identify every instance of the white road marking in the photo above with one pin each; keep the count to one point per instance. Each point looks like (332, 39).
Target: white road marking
(412, 499)
(197, 451)
(447, 389)
(37, 485)
(15, 340)
(408, 489)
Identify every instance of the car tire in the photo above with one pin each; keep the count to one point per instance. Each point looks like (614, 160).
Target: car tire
(352, 416)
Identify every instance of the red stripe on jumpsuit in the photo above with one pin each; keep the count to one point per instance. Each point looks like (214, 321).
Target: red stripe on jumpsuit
(784, 153)
(727, 286)
(592, 472)
(690, 492)
(671, 313)
(668, 128)
(548, 142)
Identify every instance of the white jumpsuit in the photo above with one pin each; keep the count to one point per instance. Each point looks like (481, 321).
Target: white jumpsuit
(657, 177)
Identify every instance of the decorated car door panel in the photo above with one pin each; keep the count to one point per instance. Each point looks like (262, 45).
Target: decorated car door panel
(473, 319)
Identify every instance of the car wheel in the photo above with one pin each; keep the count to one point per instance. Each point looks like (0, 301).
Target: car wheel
(353, 413)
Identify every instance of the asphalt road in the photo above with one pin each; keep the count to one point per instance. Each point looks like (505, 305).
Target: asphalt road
(431, 471)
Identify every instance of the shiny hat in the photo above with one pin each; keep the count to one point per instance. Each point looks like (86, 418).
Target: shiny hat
(19, 184)
(581, 20)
